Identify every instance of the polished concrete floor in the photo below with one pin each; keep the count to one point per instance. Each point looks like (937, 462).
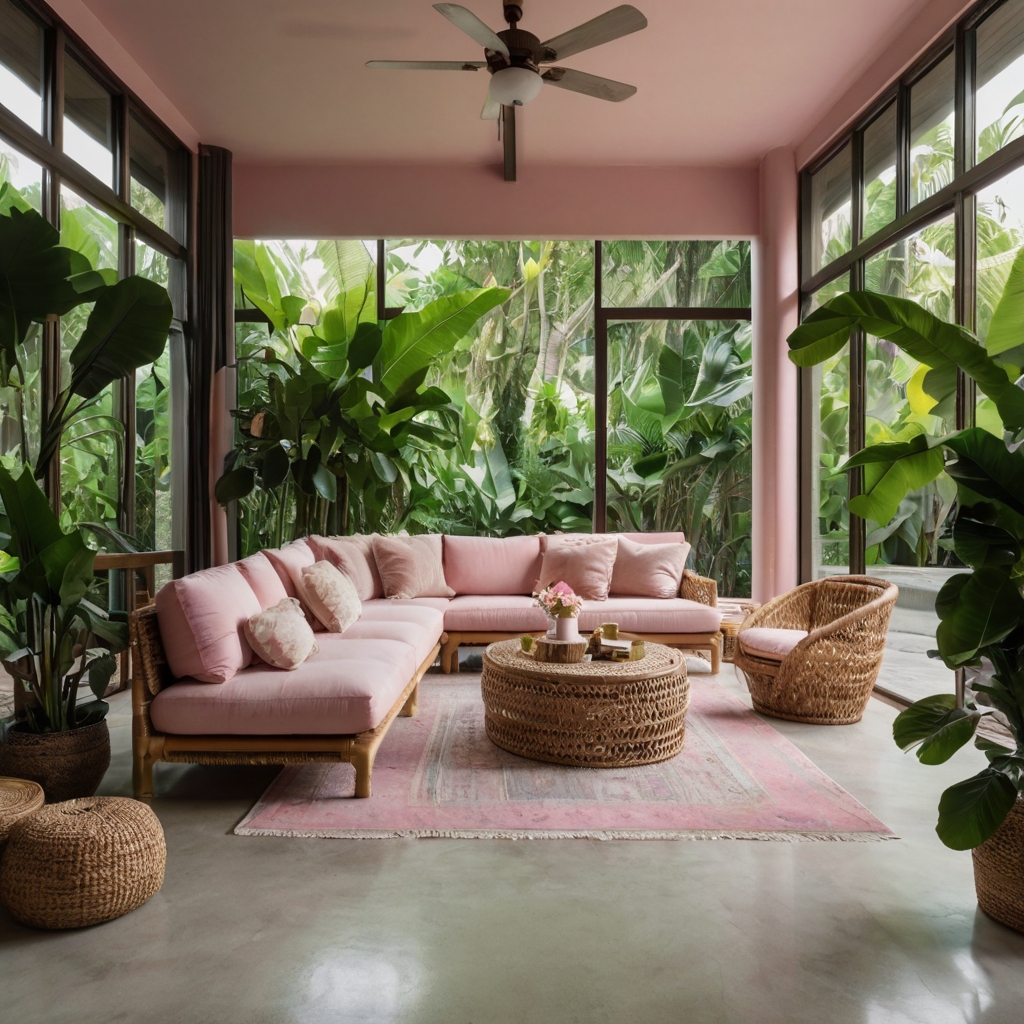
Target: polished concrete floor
(268, 930)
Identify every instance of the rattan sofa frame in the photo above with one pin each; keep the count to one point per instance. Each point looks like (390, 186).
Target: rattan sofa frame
(694, 588)
(151, 673)
(828, 677)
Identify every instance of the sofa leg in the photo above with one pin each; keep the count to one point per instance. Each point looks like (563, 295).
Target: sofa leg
(716, 656)
(362, 761)
(142, 775)
(446, 657)
(411, 705)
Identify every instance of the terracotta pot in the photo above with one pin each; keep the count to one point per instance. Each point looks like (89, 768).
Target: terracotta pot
(66, 764)
(999, 871)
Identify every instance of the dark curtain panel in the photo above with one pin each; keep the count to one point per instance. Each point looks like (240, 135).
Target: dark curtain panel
(211, 341)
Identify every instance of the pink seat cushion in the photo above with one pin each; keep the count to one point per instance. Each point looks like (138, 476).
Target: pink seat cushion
(348, 687)
(488, 613)
(648, 570)
(202, 623)
(651, 615)
(395, 609)
(354, 557)
(261, 575)
(584, 561)
(422, 639)
(492, 565)
(770, 643)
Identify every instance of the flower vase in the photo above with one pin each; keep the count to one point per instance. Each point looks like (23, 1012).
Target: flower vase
(566, 628)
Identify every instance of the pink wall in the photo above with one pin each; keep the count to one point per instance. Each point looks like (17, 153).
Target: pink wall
(99, 39)
(776, 308)
(464, 201)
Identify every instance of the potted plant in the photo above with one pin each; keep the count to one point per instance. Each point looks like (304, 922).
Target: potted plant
(981, 610)
(563, 605)
(53, 636)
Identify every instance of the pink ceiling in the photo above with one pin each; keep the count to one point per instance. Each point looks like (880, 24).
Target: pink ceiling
(720, 81)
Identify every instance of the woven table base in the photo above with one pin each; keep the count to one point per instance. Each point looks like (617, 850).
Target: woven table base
(999, 871)
(590, 715)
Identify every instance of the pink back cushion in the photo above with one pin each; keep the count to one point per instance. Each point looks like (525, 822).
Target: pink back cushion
(289, 562)
(354, 557)
(583, 561)
(648, 570)
(202, 623)
(492, 565)
(264, 580)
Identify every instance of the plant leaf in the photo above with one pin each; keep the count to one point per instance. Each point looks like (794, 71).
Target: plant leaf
(234, 485)
(972, 810)
(981, 611)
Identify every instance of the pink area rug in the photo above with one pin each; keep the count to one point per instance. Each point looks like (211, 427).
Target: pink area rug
(438, 775)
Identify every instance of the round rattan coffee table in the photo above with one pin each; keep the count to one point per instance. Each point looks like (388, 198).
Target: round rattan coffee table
(596, 714)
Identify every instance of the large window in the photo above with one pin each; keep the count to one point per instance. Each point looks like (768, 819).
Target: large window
(122, 201)
(610, 391)
(936, 172)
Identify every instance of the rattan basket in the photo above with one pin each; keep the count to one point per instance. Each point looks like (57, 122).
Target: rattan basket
(18, 798)
(999, 871)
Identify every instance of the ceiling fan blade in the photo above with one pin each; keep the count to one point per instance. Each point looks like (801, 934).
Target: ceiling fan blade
(589, 85)
(427, 65)
(613, 24)
(508, 124)
(492, 109)
(469, 23)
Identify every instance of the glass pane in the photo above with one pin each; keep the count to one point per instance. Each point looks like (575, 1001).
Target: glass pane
(830, 447)
(914, 548)
(831, 192)
(999, 63)
(676, 274)
(679, 439)
(20, 180)
(880, 172)
(21, 64)
(88, 121)
(1000, 234)
(158, 179)
(92, 452)
(931, 131)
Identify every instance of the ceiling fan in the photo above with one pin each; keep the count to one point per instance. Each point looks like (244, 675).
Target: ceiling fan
(514, 58)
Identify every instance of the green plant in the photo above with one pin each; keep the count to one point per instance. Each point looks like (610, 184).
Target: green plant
(52, 631)
(981, 612)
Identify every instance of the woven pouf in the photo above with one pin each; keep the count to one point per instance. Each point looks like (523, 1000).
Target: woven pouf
(82, 862)
(999, 871)
(18, 798)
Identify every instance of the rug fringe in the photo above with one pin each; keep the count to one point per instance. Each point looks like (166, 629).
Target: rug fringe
(600, 835)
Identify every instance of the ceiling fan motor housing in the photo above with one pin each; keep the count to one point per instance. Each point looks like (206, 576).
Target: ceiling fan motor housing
(524, 50)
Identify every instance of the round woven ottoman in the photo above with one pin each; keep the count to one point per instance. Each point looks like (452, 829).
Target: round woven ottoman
(18, 798)
(82, 862)
(597, 714)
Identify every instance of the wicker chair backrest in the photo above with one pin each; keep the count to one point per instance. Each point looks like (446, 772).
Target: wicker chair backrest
(834, 598)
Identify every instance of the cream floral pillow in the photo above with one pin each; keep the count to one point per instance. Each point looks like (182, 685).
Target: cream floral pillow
(281, 636)
(331, 596)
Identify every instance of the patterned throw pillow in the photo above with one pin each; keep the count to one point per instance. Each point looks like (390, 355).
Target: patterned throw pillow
(331, 596)
(281, 636)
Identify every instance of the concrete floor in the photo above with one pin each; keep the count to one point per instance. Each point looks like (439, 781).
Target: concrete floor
(267, 930)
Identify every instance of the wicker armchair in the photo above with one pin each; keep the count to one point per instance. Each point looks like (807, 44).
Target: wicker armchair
(827, 678)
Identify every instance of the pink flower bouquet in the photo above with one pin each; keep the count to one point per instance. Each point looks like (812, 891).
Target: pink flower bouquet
(560, 601)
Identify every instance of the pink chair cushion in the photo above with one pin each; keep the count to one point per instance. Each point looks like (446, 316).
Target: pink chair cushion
(651, 615)
(411, 566)
(775, 644)
(202, 623)
(584, 561)
(489, 613)
(648, 570)
(492, 565)
(289, 562)
(261, 575)
(348, 687)
(354, 557)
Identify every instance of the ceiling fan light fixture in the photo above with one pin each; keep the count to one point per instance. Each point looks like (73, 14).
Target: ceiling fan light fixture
(514, 86)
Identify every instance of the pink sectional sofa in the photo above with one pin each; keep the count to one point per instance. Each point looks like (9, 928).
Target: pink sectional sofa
(200, 695)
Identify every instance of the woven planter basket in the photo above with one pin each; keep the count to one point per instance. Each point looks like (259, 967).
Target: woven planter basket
(999, 871)
(66, 764)
(82, 862)
(18, 799)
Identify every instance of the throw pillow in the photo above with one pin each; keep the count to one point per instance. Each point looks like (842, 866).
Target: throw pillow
(648, 570)
(584, 561)
(354, 557)
(331, 596)
(281, 636)
(411, 566)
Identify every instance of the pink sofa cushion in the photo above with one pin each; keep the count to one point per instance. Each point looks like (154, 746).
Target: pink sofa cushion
(489, 613)
(492, 565)
(648, 570)
(354, 557)
(411, 566)
(582, 560)
(289, 562)
(655, 537)
(261, 575)
(651, 615)
(202, 623)
(422, 639)
(774, 644)
(347, 688)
